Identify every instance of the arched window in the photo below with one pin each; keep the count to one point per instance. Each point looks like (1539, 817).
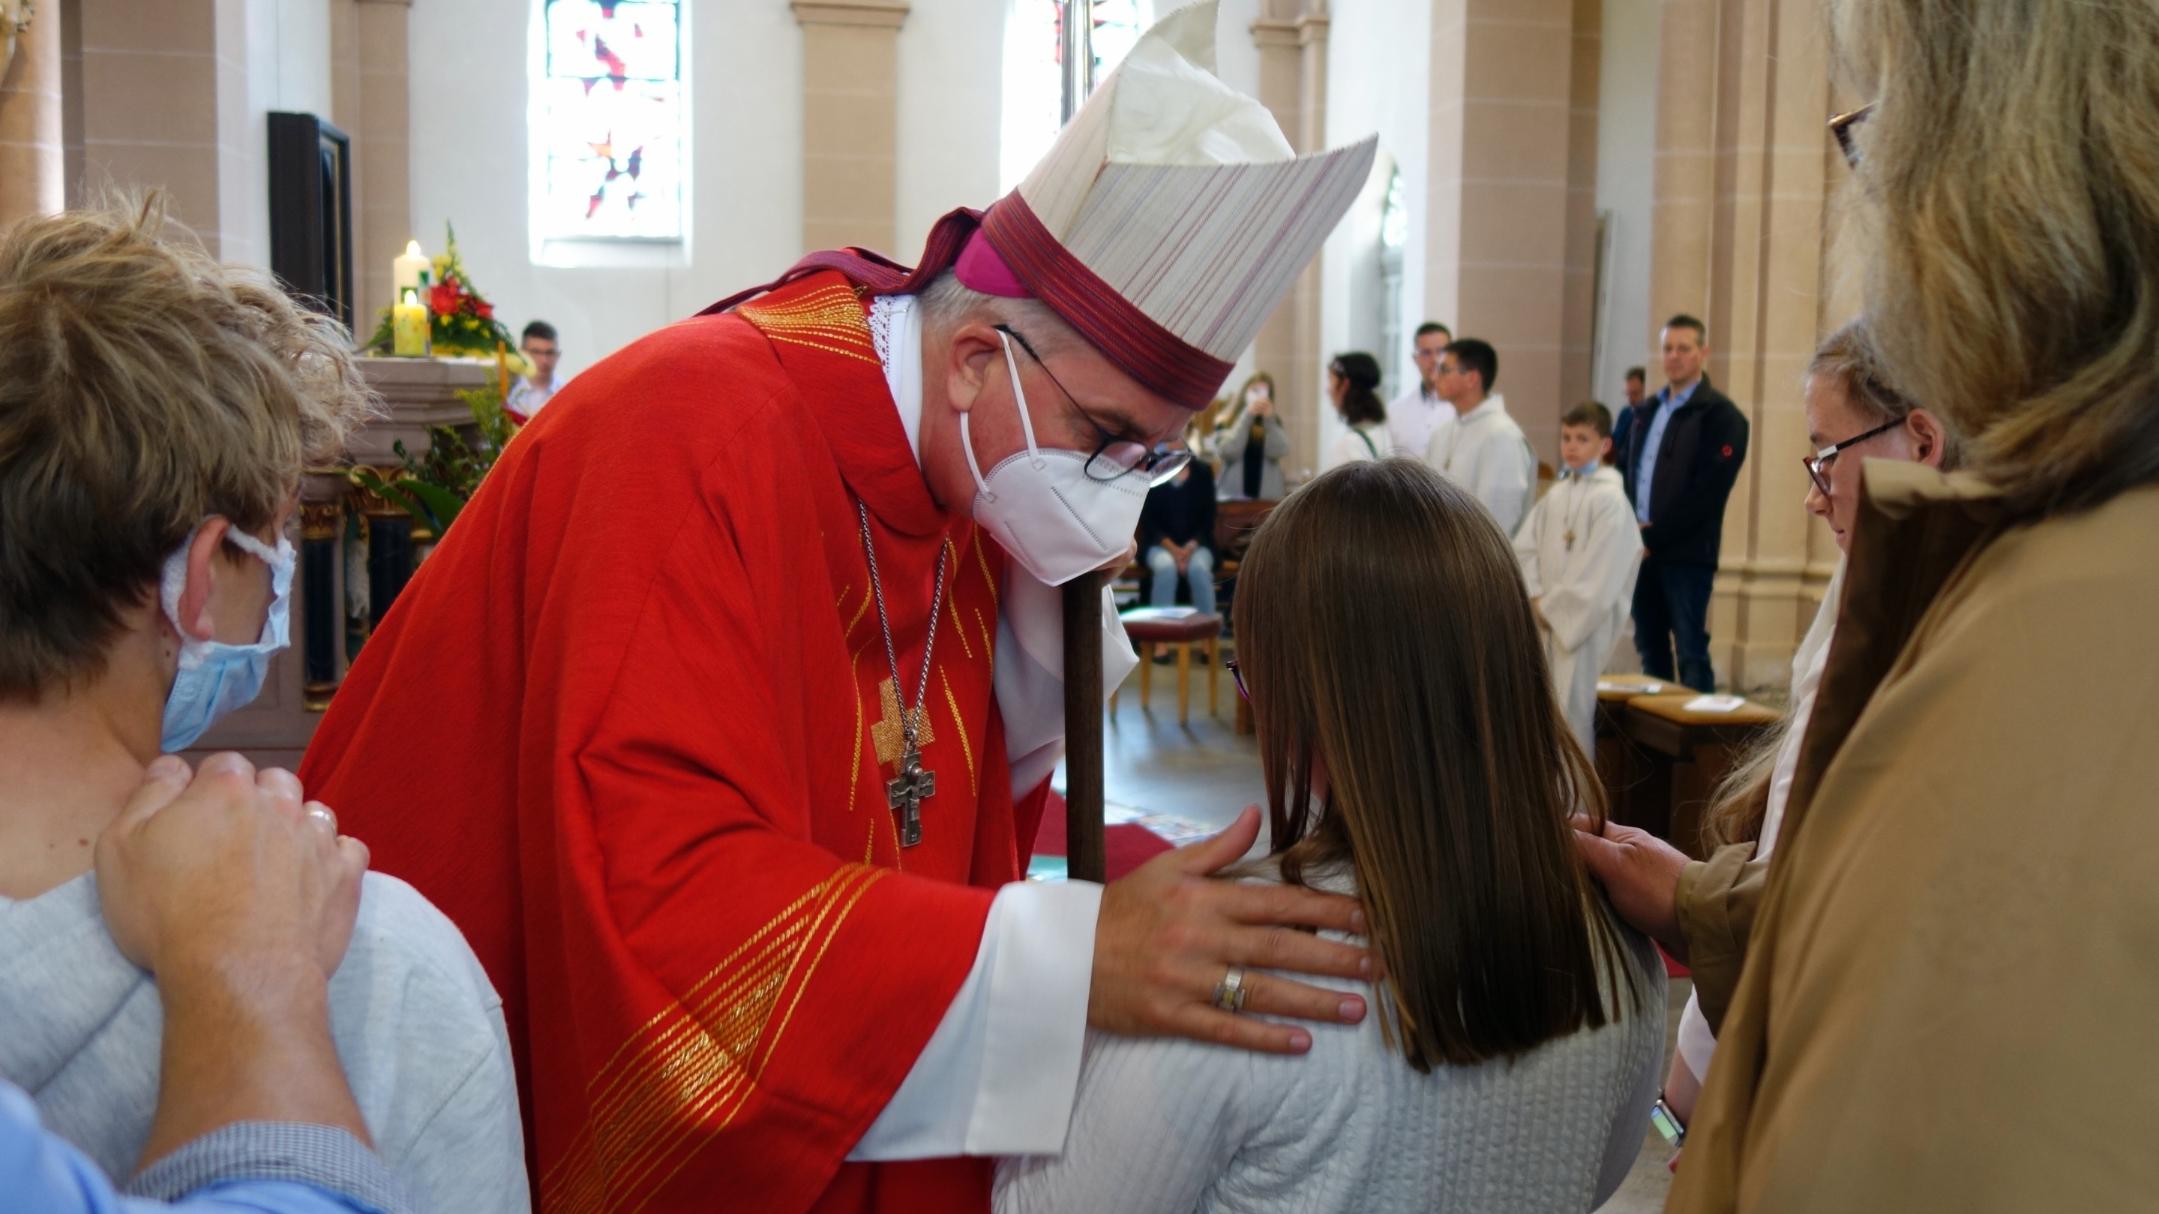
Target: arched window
(1034, 72)
(608, 121)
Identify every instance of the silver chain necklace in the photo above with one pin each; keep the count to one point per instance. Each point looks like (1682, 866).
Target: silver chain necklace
(906, 791)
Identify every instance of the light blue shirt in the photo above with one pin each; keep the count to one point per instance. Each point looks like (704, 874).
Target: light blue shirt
(45, 1175)
(1645, 459)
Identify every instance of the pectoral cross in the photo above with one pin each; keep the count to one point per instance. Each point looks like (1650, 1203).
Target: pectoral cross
(1570, 539)
(913, 785)
(907, 791)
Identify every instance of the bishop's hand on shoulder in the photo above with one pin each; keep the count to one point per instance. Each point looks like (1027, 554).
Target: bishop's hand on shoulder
(1170, 931)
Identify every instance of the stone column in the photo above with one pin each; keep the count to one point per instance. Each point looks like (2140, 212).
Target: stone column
(1577, 337)
(1503, 84)
(1301, 375)
(1281, 90)
(850, 125)
(150, 79)
(370, 100)
(1740, 241)
(32, 165)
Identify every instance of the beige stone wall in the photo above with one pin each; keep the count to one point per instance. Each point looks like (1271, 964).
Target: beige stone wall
(1511, 213)
(1292, 41)
(370, 100)
(1743, 170)
(850, 91)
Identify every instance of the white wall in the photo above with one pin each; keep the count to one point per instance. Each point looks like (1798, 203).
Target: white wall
(284, 64)
(951, 98)
(1626, 160)
(469, 63)
(1378, 57)
(470, 148)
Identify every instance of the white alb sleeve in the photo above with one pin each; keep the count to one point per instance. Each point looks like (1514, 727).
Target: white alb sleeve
(999, 1074)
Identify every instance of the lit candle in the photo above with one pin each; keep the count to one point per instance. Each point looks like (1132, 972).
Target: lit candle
(411, 269)
(408, 325)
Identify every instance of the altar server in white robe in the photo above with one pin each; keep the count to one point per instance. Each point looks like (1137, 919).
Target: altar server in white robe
(1580, 549)
(1483, 449)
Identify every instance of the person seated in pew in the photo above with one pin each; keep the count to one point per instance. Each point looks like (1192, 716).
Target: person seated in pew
(1580, 549)
(156, 411)
(1176, 538)
(1518, 1034)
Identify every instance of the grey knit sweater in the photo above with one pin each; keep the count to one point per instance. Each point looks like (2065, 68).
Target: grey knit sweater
(1173, 1125)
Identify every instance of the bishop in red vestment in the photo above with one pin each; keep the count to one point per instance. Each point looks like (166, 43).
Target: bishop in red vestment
(642, 724)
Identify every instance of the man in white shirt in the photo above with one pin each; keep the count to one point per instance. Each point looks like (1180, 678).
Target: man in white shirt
(1482, 450)
(540, 348)
(1415, 414)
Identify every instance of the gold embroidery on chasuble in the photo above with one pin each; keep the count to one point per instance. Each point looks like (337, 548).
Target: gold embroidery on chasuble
(689, 1071)
(829, 319)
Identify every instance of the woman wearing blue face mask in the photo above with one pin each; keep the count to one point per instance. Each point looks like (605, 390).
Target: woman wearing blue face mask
(156, 410)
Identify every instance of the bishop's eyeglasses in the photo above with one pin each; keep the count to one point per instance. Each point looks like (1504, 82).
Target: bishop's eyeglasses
(1114, 455)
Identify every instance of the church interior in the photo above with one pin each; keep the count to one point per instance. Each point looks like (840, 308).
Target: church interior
(1572, 184)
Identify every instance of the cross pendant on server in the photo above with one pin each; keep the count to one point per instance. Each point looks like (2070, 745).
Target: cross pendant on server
(907, 791)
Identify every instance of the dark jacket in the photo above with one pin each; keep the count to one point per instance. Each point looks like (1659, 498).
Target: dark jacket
(1704, 445)
(1180, 513)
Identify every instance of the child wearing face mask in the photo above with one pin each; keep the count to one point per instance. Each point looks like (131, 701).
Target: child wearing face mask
(156, 411)
(1580, 549)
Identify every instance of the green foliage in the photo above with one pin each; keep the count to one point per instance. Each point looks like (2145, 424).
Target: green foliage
(434, 487)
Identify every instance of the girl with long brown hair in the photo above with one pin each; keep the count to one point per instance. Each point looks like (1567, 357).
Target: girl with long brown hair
(1414, 756)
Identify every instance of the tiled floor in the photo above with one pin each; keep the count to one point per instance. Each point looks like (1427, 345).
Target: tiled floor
(1205, 773)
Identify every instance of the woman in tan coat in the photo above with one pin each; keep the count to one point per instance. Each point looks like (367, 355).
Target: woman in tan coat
(1948, 992)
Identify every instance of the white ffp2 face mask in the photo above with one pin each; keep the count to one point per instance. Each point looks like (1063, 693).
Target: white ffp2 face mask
(1043, 508)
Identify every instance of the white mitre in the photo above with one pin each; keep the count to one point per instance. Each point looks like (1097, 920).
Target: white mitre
(1170, 216)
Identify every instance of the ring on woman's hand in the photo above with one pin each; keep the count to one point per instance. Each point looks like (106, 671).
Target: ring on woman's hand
(323, 815)
(1229, 993)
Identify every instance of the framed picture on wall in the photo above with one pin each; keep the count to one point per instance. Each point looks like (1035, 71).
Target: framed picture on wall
(311, 212)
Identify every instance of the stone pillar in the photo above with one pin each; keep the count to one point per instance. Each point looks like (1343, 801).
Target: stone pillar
(1577, 334)
(850, 125)
(1742, 158)
(1302, 374)
(32, 166)
(370, 100)
(1281, 90)
(1503, 85)
(150, 78)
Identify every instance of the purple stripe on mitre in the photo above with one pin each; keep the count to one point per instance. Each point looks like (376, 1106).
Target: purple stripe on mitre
(1139, 345)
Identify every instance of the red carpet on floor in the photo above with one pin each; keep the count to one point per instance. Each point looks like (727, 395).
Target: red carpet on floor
(1125, 847)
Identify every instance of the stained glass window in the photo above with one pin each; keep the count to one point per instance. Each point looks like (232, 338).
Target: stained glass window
(608, 121)
(1034, 71)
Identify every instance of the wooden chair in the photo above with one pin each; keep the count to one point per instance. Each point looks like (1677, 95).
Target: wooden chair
(1148, 630)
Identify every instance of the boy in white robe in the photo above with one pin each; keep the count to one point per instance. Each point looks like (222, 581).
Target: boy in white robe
(1580, 549)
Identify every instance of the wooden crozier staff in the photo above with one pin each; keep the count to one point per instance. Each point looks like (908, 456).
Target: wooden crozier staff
(1084, 858)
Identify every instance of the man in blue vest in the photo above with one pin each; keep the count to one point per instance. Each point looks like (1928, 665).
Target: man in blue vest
(1680, 451)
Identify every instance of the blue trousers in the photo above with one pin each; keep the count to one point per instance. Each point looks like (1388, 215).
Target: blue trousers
(1198, 572)
(1671, 610)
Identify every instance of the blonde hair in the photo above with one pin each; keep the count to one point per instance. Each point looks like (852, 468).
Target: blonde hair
(143, 388)
(2009, 199)
(1741, 803)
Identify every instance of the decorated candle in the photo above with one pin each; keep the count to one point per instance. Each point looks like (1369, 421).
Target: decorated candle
(408, 325)
(411, 269)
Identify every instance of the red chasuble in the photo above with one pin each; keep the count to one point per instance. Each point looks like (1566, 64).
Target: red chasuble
(630, 727)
